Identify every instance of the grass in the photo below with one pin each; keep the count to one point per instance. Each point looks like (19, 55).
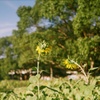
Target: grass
(8, 85)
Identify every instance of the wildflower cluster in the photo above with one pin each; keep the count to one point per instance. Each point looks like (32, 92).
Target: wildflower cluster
(43, 48)
(69, 65)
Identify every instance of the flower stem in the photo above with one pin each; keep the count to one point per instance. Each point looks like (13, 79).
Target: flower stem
(86, 77)
(38, 59)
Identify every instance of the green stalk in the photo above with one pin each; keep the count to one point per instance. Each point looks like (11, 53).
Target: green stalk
(86, 77)
(38, 59)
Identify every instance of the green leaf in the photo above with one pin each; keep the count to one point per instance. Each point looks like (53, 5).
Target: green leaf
(92, 69)
(31, 87)
(48, 98)
(42, 87)
(78, 96)
(31, 98)
(34, 79)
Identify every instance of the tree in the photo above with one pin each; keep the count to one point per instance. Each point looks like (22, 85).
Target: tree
(7, 61)
(72, 32)
(86, 22)
(26, 21)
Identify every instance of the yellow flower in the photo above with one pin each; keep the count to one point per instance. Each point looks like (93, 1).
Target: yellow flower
(66, 62)
(69, 65)
(47, 50)
(39, 50)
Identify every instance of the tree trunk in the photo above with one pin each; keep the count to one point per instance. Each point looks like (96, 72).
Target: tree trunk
(84, 33)
(92, 63)
(51, 72)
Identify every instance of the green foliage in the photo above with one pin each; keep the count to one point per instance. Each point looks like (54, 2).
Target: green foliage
(57, 89)
(87, 19)
(9, 85)
(83, 49)
(25, 20)
(55, 10)
(7, 60)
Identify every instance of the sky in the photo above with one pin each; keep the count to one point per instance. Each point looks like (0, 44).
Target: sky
(8, 16)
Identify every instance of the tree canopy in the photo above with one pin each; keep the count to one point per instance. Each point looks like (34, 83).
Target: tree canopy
(70, 27)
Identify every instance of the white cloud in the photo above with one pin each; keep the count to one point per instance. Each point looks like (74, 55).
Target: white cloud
(10, 4)
(6, 29)
(6, 25)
